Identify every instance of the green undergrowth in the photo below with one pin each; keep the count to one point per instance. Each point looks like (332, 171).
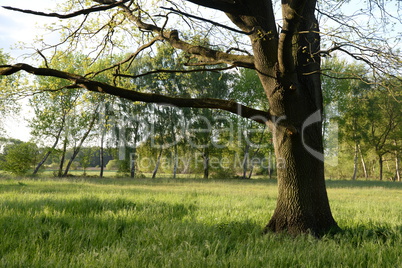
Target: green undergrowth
(188, 223)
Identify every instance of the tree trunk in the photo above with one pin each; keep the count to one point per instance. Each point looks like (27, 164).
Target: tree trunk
(175, 156)
(254, 154)
(381, 164)
(397, 172)
(63, 155)
(51, 150)
(158, 160)
(355, 162)
(397, 168)
(132, 162)
(46, 156)
(245, 161)
(84, 137)
(363, 163)
(270, 165)
(205, 157)
(251, 172)
(175, 160)
(101, 156)
(292, 84)
(302, 205)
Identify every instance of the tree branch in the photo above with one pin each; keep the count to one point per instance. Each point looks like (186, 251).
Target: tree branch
(228, 6)
(206, 20)
(291, 13)
(129, 58)
(70, 15)
(259, 116)
(174, 71)
(201, 52)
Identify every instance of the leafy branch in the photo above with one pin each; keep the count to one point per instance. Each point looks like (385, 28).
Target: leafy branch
(259, 116)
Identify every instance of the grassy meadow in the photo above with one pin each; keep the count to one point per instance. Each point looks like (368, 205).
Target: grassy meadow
(188, 223)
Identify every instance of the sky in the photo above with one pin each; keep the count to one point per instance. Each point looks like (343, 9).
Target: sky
(17, 27)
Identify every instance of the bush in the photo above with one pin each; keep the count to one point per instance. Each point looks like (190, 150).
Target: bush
(113, 165)
(19, 158)
(222, 173)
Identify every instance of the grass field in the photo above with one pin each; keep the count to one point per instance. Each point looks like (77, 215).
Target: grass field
(188, 223)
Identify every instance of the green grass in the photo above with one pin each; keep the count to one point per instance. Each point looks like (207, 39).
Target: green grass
(188, 223)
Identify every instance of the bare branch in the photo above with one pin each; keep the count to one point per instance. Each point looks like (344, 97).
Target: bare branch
(175, 71)
(43, 57)
(206, 20)
(229, 6)
(201, 52)
(129, 58)
(70, 15)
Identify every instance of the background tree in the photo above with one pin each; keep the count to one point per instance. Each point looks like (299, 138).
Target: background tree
(345, 85)
(86, 124)
(383, 118)
(56, 110)
(51, 116)
(251, 135)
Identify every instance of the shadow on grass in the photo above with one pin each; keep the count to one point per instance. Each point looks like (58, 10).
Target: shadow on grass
(91, 222)
(94, 223)
(72, 183)
(90, 206)
(367, 234)
(21, 181)
(363, 184)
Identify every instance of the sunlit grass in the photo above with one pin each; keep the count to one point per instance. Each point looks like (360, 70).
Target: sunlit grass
(187, 223)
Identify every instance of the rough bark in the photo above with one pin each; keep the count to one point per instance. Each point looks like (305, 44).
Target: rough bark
(292, 84)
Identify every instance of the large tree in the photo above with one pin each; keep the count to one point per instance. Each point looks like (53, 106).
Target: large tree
(287, 61)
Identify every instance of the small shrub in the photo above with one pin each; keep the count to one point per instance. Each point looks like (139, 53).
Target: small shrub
(19, 158)
(113, 165)
(222, 173)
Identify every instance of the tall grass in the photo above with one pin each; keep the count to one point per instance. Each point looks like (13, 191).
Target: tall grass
(188, 223)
